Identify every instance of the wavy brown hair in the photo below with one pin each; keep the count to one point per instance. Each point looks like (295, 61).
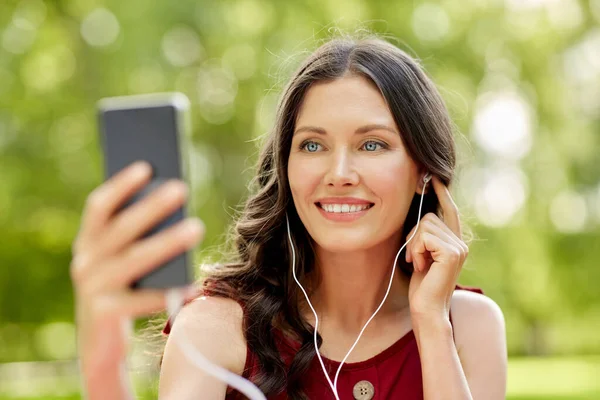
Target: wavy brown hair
(260, 276)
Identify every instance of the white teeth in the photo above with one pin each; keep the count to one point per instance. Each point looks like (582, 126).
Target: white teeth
(344, 208)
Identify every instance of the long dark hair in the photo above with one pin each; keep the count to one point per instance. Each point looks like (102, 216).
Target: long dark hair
(260, 277)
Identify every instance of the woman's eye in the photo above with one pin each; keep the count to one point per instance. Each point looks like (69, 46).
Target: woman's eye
(371, 145)
(310, 146)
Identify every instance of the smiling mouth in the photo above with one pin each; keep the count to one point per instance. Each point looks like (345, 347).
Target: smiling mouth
(344, 208)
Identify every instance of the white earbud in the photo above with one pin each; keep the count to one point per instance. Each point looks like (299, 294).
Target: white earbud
(427, 178)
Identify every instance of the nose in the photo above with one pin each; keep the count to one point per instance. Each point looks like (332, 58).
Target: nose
(341, 170)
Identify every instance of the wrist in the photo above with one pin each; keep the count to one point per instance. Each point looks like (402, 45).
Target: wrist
(431, 330)
(109, 381)
(431, 322)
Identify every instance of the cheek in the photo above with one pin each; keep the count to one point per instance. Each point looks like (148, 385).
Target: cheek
(304, 178)
(388, 180)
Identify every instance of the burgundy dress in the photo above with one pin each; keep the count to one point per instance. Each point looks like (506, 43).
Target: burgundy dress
(395, 373)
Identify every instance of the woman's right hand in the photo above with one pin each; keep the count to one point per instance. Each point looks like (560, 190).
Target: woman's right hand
(108, 255)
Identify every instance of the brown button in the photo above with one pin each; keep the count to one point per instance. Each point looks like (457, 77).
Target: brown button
(363, 390)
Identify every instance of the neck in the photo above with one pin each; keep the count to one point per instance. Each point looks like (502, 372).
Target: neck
(350, 286)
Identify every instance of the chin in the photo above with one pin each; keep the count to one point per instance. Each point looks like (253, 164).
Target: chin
(344, 243)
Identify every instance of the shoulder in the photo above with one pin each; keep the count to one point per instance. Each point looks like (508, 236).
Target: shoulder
(476, 317)
(213, 326)
(480, 338)
(219, 321)
(470, 300)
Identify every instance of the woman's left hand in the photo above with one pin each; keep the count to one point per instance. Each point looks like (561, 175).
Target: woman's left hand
(437, 253)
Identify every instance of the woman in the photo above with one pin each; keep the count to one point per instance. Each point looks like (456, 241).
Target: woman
(358, 127)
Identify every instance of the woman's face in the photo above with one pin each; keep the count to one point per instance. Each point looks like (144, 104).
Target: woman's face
(351, 177)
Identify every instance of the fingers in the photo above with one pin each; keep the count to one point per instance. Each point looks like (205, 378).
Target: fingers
(107, 198)
(427, 243)
(138, 218)
(436, 246)
(140, 258)
(134, 304)
(432, 224)
(422, 260)
(449, 208)
(426, 223)
(419, 260)
(109, 256)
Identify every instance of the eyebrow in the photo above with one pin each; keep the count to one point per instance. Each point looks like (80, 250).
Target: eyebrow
(361, 130)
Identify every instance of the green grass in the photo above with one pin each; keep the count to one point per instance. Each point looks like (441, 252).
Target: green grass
(550, 378)
(554, 378)
(587, 396)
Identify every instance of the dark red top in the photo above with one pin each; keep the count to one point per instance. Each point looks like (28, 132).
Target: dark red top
(395, 373)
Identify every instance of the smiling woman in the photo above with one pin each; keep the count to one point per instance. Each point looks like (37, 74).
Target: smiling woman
(341, 189)
(358, 127)
(335, 163)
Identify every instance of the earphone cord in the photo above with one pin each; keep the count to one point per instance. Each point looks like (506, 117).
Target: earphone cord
(175, 301)
(334, 384)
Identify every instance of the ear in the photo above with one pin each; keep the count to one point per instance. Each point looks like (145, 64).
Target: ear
(421, 183)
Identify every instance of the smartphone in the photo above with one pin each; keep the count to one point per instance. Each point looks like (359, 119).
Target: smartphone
(152, 128)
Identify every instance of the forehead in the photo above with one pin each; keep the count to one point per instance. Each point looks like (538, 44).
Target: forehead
(350, 100)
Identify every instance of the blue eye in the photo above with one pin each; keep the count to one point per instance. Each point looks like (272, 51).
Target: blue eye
(371, 145)
(310, 146)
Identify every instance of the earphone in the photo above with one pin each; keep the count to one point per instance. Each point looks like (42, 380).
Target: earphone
(333, 385)
(175, 301)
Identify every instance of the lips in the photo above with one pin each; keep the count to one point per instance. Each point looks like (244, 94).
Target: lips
(343, 200)
(344, 207)
(343, 210)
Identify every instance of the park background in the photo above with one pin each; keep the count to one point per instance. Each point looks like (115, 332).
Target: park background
(521, 79)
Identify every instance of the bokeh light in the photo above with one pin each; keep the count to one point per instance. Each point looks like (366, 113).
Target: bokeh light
(568, 212)
(502, 193)
(430, 22)
(181, 46)
(217, 89)
(18, 37)
(503, 124)
(241, 59)
(100, 28)
(46, 69)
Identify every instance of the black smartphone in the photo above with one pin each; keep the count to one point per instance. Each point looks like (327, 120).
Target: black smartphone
(152, 128)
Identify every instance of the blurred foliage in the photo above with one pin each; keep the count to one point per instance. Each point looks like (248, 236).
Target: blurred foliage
(521, 79)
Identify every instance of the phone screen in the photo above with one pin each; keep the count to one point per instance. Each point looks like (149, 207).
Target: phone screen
(149, 128)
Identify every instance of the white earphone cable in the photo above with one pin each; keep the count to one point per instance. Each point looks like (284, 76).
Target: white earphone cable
(175, 301)
(334, 384)
(311, 307)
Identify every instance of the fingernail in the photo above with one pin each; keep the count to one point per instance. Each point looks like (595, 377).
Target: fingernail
(193, 226)
(175, 189)
(140, 169)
